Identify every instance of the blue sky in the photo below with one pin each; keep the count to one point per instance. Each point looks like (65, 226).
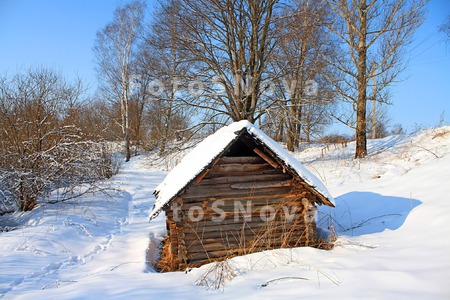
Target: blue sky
(60, 34)
(51, 33)
(424, 93)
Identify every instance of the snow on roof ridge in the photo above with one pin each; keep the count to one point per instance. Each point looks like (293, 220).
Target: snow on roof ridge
(212, 146)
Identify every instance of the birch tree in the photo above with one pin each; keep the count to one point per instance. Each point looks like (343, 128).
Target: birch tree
(115, 51)
(163, 61)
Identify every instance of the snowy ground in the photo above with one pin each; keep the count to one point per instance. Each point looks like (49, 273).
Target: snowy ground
(392, 219)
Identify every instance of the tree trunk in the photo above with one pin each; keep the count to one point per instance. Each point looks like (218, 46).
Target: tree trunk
(361, 124)
(126, 117)
(361, 138)
(168, 117)
(307, 127)
(127, 133)
(374, 103)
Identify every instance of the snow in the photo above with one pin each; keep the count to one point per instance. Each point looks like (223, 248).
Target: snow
(206, 151)
(391, 216)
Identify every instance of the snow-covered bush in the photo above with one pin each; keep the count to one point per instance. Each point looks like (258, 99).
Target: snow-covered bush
(41, 146)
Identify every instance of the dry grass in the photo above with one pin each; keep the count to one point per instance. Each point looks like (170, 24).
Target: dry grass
(440, 134)
(166, 262)
(217, 275)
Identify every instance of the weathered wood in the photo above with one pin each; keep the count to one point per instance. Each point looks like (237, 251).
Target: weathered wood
(223, 254)
(248, 178)
(217, 227)
(261, 179)
(245, 245)
(182, 251)
(268, 159)
(244, 173)
(201, 176)
(229, 204)
(240, 197)
(227, 168)
(249, 231)
(218, 192)
(224, 189)
(257, 214)
(240, 160)
(256, 230)
(286, 237)
(261, 184)
(214, 254)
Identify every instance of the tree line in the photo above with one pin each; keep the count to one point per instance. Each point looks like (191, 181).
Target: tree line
(292, 66)
(191, 66)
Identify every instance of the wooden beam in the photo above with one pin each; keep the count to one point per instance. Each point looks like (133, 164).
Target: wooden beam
(266, 158)
(261, 184)
(228, 168)
(201, 176)
(246, 178)
(240, 160)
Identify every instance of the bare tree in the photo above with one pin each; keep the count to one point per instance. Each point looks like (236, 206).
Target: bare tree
(379, 122)
(373, 35)
(299, 68)
(115, 51)
(231, 42)
(445, 28)
(167, 67)
(40, 149)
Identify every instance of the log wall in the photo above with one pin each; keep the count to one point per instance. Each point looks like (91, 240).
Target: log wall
(226, 213)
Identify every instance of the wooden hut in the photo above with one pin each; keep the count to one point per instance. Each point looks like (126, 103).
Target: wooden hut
(237, 192)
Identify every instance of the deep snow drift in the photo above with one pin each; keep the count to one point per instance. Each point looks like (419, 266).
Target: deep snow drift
(391, 216)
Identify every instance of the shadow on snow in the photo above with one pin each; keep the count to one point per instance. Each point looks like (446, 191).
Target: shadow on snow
(360, 213)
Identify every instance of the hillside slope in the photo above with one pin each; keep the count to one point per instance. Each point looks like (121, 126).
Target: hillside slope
(391, 216)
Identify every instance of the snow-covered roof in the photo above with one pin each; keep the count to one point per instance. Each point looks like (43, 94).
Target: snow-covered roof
(210, 148)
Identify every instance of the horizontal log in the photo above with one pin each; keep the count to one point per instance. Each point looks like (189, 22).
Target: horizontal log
(230, 204)
(236, 231)
(256, 216)
(243, 173)
(246, 234)
(261, 184)
(226, 168)
(199, 247)
(198, 259)
(231, 198)
(286, 194)
(245, 185)
(240, 160)
(223, 254)
(285, 239)
(249, 178)
(212, 227)
(213, 254)
(245, 245)
(271, 184)
(201, 192)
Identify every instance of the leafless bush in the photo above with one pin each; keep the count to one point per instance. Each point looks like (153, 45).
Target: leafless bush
(41, 148)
